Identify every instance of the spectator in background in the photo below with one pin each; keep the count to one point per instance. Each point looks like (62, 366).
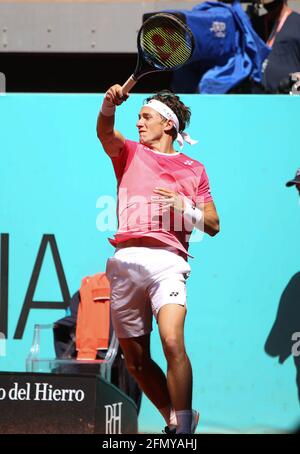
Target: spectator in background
(295, 181)
(281, 29)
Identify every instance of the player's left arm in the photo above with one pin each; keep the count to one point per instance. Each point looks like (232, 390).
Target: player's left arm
(203, 216)
(210, 218)
(204, 202)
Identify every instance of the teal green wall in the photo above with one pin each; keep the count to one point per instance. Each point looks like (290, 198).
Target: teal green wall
(52, 172)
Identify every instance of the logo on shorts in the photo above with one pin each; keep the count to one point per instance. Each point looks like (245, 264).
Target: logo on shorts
(174, 294)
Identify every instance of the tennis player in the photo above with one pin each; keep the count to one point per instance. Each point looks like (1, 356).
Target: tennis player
(162, 195)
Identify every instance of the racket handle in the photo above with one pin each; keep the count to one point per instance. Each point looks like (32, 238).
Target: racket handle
(129, 84)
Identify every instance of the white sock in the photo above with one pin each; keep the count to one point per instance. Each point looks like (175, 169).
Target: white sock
(184, 421)
(169, 416)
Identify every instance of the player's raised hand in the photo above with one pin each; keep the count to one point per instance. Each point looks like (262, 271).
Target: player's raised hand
(114, 95)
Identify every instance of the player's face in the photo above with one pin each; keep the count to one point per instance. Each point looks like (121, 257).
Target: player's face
(150, 125)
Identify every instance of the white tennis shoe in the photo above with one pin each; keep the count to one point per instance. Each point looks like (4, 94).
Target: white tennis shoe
(195, 421)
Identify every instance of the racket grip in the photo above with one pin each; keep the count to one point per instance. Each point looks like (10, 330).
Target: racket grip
(129, 84)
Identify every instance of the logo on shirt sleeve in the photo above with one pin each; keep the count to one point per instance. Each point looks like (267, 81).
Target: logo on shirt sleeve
(188, 163)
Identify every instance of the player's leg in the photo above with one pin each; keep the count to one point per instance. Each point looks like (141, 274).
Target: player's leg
(148, 374)
(171, 319)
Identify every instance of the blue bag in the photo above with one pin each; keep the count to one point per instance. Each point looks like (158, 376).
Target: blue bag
(227, 51)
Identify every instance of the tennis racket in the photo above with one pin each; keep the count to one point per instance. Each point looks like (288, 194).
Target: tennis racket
(164, 43)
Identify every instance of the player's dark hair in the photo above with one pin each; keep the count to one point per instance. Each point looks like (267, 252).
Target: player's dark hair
(173, 101)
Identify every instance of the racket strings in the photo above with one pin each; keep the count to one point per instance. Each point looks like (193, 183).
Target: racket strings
(169, 50)
(166, 45)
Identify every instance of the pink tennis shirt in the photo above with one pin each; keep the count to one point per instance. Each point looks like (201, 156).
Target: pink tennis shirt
(138, 171)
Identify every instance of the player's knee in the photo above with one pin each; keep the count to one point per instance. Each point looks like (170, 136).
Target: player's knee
(137, 367)
(173, 348)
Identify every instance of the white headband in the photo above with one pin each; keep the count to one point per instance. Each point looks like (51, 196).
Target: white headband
(168, 113)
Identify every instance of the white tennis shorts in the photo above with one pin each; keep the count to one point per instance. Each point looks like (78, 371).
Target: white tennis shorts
(142, 280)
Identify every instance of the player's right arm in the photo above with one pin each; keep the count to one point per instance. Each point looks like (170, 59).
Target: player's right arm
(111, 139)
